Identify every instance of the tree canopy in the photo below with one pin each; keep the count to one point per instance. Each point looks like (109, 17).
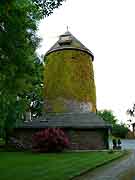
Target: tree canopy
(108, 116)
(46, 7)
(18, 60)
(118, 130)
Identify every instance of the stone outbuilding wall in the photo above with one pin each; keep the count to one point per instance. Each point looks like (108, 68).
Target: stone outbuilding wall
(80, 139)
(88, 139)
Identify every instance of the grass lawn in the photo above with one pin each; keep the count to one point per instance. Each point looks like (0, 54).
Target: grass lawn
(61, 166)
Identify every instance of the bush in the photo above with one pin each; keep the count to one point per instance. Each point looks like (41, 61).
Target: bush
(2, 142)
(50, 140)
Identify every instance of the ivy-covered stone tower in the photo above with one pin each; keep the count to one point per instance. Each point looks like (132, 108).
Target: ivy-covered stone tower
(69, 98)
(68, 77)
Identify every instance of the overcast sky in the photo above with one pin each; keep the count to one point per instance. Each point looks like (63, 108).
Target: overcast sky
(107, 28)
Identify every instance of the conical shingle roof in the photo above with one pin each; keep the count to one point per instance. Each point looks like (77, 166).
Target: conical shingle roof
(68, 41)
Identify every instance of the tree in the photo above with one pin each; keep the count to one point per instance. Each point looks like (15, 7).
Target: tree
(108, 116)
(18, 42)
(118, 130)
(45, 7)
(35, 97)
(131, 113)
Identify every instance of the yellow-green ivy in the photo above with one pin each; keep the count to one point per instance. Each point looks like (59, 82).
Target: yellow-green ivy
(69, 75)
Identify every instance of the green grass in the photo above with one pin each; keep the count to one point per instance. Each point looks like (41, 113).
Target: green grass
(61, 166)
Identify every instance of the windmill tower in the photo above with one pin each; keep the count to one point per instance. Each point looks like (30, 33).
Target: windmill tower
(69, 97)
(68, 77)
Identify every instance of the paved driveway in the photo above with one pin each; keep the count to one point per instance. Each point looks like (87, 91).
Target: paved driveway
(117, 170)
(123, 169)
(127, 144)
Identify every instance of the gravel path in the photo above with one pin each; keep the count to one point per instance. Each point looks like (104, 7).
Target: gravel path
(117, 170)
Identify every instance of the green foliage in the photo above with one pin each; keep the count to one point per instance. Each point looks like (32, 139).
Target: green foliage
(17, 54)
(2, 142)
(18, 42)
(131, 113)
(108, 116)
(118, 130)
(69, 75)
(46, 7)
(34, 98)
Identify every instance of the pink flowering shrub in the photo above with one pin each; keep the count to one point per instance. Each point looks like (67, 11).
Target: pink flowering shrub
(50, 140)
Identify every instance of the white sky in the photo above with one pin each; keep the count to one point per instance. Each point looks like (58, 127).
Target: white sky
(107, 28)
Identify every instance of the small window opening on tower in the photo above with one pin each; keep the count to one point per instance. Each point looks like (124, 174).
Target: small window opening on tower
(64, 40)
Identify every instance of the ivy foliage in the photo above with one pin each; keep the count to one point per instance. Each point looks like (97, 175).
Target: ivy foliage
(69, 75)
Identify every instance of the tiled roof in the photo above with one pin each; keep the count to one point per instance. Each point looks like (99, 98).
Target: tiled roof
(67, 120)
(68, 41)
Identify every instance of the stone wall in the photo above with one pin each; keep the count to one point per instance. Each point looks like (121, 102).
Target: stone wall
(88, 139)
(24, 136)
(79, 139)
